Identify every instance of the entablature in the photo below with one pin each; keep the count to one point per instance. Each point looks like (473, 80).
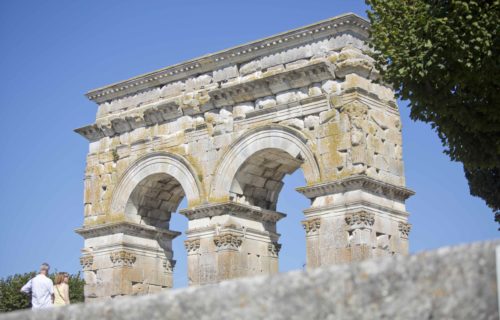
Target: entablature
(359, 182)
(347, 23)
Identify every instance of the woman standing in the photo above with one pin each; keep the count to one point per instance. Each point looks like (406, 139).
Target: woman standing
(61, 289)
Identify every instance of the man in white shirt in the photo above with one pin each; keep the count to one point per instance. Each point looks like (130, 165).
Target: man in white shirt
(41, 289)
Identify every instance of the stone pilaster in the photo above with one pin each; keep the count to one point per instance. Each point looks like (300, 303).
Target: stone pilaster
(273, 250)
(404, 232)
(361, 217)
(312, 227)
(230, 240)
(228, 244)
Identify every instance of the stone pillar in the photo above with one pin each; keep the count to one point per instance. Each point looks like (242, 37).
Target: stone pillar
(353, 219)
(126, 258)
(231, 240)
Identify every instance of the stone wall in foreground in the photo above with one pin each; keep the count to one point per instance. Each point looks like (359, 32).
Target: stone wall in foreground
(449, 283)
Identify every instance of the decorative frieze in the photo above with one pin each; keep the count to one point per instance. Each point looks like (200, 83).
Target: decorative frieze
(360, 220)
(87, 262)
(311, 226)
(192, 245)
(123, 258)
(404, 229)
(230, 241)
(274, 249)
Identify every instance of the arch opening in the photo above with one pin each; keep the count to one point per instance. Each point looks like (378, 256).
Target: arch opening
(154, 199)
(286, 144)
(259, 180)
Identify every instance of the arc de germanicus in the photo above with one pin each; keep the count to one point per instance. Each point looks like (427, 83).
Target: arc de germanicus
(223, 130)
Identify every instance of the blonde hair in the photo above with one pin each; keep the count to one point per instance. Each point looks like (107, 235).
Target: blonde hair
(60, 277)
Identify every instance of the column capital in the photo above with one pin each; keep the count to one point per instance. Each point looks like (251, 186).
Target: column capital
(312, 226)
(169, 265)
(192, 246)
(274, 249)
(360, 220)
(122, 258)
(87, 262)
(404, 229)
(228, 241)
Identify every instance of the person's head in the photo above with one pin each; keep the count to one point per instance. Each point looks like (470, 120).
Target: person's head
(62, 277)
(44, 268)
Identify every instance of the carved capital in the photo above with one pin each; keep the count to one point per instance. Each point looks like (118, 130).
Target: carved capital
(360, 220)
(87, 262)
(404, 229)
(192, 246)
(274, 249)
(122, 258)
(311, 226)
(169, 265)
(230, 241)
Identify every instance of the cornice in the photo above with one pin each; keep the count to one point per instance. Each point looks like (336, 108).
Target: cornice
(125, 227)
(232, 208)
(158, 112)
(323, 29)
(357, 183)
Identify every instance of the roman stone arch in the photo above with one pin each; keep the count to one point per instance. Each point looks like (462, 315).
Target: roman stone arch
(222, 130)
(138, 255)
(277, 137)
(156, 163)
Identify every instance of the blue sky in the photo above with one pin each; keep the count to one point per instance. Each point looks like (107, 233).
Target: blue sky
(52, 52)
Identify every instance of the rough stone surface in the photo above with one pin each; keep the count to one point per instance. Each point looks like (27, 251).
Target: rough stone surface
(223, 130)
(449, 283)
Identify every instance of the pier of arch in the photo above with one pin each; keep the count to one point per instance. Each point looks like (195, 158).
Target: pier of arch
(223, 130)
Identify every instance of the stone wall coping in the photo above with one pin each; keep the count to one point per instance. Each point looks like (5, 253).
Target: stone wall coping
(232, 208)
(329, 27)
(448, 283)
(125, 227)
(355, 183)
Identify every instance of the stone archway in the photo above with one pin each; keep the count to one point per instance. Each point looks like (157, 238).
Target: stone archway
(271, 137)
(155, 163)
(241, 216)
(137, 257)
(222, 130)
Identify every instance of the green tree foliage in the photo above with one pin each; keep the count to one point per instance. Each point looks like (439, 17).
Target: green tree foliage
(10, 296)
(443, 57)
(12, 299)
